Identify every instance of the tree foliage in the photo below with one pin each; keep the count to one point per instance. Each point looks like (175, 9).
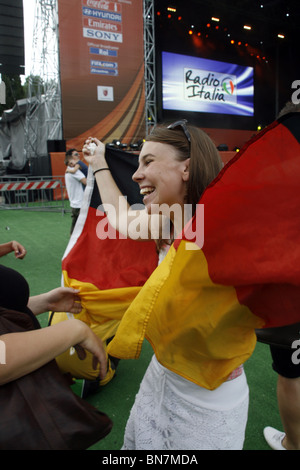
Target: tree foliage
(14, 91)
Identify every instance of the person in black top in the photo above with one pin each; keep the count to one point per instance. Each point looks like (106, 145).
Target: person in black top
(30, 350)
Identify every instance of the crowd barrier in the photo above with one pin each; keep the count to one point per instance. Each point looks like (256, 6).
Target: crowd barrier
(32, 193)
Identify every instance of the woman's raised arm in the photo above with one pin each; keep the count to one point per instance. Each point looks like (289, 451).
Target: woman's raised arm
(119, 213)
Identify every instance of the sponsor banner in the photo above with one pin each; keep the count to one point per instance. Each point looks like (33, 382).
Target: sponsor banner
(102, 35)
(105, 93)
(104, 64)
(112, 73)
(102, 24)
(102, 51)
(104, 15)
(103, 5)
(102, 46)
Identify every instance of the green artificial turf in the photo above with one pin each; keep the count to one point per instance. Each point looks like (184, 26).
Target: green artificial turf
(45, 236)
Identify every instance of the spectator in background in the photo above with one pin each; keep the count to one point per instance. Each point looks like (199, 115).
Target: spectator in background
(75, 184)
(288, 383)
(73, 162)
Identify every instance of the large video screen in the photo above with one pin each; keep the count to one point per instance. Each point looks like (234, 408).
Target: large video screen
(195, 84)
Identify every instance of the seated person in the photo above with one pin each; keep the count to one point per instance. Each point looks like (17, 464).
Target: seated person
(43, 344)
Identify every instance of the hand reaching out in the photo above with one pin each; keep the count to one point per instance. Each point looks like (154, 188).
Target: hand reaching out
(8, 247)
(19, 249)
(64, 299)
(94, 345)
(61, 299)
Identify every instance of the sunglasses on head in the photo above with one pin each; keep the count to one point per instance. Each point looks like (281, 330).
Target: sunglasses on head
(182, 125)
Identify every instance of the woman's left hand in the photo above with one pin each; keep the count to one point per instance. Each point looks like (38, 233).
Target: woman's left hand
(61, 299)
(95, 157)
(19, 249)
(64, 299)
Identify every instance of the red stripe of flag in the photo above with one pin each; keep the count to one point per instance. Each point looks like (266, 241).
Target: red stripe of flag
(252, 224)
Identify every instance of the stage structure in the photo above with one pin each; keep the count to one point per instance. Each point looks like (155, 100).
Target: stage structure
(102, 70)
(43, 113)
(150, 76)
(93, 73)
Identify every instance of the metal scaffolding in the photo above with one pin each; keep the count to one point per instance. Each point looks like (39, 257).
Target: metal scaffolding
(149, 63)
(44, 111)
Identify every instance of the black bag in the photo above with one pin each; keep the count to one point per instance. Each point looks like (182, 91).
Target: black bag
(281, 337)
(40, 411)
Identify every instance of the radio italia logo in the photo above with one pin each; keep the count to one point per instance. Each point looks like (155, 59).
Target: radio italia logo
(228, 85)
(202, 85)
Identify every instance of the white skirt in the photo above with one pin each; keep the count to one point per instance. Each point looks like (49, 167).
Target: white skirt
(172, 413)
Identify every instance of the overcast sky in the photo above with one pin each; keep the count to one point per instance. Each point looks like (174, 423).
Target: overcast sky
(29, 9)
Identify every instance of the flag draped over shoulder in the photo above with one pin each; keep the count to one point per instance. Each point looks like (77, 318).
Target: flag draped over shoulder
(108, 268)
(200, 307)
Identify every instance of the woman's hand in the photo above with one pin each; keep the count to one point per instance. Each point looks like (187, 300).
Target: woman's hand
(94, 345)
(8, 247)
(61, 299)
(95, 157)
(19, 249)
(64, 299)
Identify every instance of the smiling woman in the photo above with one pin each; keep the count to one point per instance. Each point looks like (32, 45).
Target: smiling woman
(171, 175)
(162, 176)
(176, 164)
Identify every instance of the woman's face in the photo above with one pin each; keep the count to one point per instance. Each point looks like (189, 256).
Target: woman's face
(161, 176)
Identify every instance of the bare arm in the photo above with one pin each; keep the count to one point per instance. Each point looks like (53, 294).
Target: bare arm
(26, 352)
(19, 250)
(114, 203)
(73, 169)
(61, 299)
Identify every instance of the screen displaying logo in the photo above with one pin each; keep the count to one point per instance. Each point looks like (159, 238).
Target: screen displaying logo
(195, 84)
(228, 85)
(208, 86)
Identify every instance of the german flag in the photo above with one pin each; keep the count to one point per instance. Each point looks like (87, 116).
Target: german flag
(201, 306)
(108, 268)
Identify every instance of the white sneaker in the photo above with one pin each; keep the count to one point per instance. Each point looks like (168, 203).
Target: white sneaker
(274, 438)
